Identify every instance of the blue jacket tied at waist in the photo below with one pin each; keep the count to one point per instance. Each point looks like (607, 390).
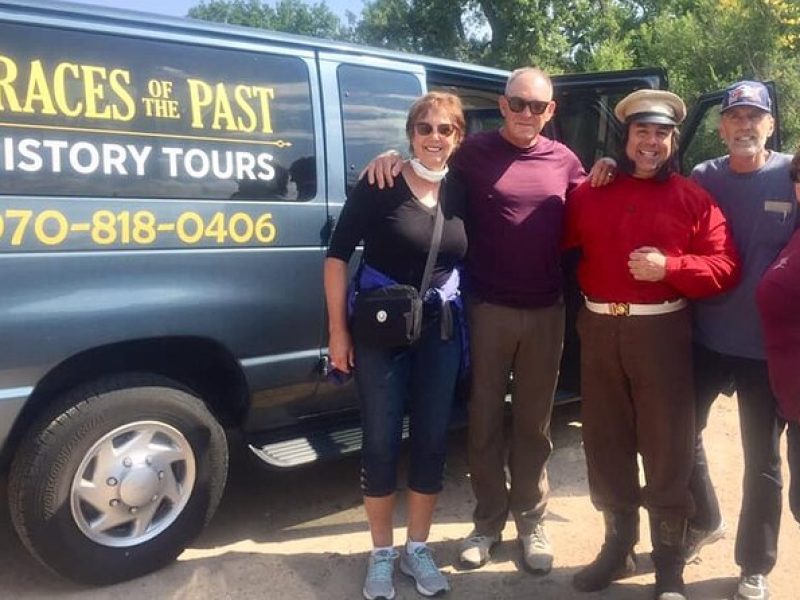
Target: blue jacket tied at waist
(448, 296)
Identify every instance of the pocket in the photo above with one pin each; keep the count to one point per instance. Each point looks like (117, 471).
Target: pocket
(773, 229)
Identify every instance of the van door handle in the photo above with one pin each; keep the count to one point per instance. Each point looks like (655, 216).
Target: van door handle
(327, 230)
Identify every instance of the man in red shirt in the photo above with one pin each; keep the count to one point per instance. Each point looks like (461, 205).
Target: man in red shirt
(649, 240)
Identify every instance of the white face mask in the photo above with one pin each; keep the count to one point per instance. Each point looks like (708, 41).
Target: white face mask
(427, 174)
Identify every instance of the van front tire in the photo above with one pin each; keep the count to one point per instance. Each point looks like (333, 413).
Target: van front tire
(118, 479)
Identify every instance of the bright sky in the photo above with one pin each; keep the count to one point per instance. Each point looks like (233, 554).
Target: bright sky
(179, 8)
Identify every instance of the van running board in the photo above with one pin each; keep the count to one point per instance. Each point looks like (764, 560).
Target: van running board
(314, 446)
(336, 442)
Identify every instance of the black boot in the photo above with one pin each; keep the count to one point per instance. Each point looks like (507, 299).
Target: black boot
(616, 559)
(668, 537)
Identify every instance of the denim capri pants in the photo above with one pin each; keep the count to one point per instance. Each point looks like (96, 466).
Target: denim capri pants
(419, 379)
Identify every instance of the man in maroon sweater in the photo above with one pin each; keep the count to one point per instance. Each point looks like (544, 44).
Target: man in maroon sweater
(778, 297)
(517, 180)
(649, 240)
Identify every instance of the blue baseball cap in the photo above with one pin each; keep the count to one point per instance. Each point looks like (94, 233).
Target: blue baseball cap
(747, 93)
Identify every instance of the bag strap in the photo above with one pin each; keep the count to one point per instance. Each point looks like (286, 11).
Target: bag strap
(436, 241)
(357, 275)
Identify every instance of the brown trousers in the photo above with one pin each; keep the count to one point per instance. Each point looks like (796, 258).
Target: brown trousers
(529, 342)
(638, 397)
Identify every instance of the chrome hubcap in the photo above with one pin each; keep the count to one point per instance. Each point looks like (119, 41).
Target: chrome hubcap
(132, 484)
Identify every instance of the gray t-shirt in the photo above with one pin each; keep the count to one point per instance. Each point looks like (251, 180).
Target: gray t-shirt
(762, 211)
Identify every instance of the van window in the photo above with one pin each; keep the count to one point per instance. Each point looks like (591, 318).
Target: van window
(585, 122)
(375, 103)
(706, 142)
(481, 111)
(94, 115)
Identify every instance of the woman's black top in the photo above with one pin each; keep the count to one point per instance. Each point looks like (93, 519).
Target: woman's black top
(397, 228)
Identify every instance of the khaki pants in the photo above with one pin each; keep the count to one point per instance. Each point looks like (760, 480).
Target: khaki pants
(638, 397)
(529, 342)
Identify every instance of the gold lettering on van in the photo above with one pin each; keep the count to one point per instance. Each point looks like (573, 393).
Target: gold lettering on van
(211, 107)
(119, 79)
(60, 85)
(8, 96)
(105, 91)
(38, 91)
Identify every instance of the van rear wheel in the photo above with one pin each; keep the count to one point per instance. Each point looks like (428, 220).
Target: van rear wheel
(118, 478)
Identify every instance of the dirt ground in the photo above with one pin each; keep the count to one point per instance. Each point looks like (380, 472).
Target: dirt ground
(302, 535)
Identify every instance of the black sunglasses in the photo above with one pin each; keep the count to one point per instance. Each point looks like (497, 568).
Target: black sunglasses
(444, 129)
(536, 107)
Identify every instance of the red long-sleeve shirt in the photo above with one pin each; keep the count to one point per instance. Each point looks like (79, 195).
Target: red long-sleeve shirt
(676, 216)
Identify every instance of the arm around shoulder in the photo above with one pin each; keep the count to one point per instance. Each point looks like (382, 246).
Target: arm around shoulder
(383, 169)
(711, 264)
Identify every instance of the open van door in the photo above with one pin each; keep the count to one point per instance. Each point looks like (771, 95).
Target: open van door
(700, 138)
(584, 118)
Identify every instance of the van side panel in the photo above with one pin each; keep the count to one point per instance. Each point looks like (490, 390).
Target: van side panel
(157, 189)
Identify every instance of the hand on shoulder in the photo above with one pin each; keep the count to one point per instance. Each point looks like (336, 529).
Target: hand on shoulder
(383, 169)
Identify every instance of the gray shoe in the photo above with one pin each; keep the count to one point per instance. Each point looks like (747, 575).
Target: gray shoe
(378, 584)
(537, 552)
(752, 587)
(420, 565)
(476, 549)
(697, 538)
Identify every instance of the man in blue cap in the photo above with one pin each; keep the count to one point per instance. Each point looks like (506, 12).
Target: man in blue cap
(753, 188)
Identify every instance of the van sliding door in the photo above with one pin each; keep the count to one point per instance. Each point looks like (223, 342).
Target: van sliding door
(365, 100)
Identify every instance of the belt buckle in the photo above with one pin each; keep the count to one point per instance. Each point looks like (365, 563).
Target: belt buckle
(620, 309)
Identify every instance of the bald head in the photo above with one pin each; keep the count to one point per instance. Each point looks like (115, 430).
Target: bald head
(527, 106)
(529, 77)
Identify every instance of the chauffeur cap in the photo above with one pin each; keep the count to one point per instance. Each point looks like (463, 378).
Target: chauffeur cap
(651, 106)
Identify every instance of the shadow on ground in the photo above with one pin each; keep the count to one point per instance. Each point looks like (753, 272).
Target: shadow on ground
(317, 512)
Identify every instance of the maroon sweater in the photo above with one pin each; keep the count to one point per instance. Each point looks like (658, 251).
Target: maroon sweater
(778, 298)
(515, 214)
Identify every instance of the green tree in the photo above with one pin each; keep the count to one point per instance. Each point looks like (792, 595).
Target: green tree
(504, 33)
(433, 27)
(290, 16)
(720, 41)
(702, 44)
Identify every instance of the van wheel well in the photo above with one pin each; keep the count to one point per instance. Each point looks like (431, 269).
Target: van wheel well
(203, 366)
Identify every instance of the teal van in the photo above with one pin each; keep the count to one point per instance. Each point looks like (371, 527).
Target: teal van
(167, 190)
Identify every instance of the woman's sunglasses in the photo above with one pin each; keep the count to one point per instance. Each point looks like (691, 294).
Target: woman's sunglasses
(536, 107)
(444, 129)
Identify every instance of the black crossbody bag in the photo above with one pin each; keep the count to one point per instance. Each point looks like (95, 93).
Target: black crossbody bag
(391, 316)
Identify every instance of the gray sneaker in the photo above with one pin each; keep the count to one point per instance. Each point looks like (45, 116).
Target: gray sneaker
(537, 552)
(697, 538)
(420, 565)
(476, 549)
(752, 587)
(378, 584)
